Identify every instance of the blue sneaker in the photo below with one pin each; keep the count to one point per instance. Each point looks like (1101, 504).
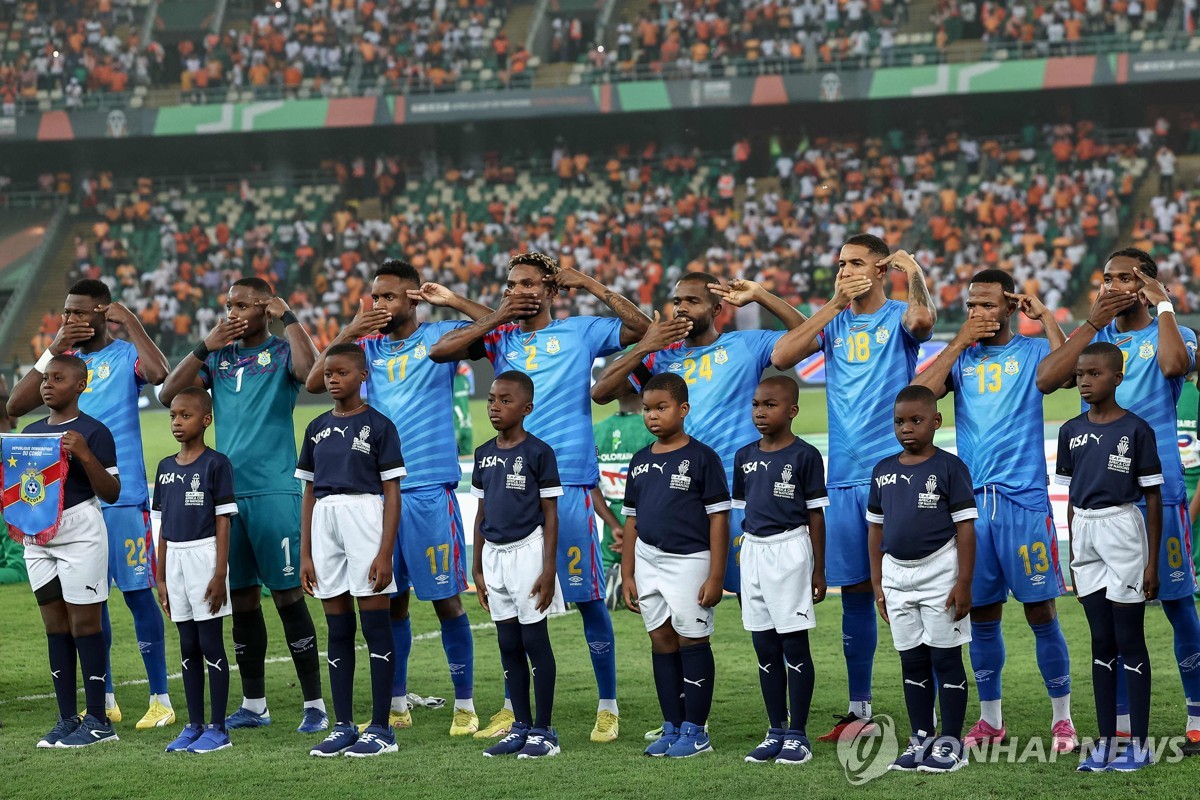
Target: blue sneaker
(693, 740)
(511, 744)
(1132, 759)
(342, 737)
(769, 748)
(189, 734)
(245, 718)
(914, 754)
(375, 741)
(315, 720)
(211, 740)
(796, 749)
(90, 731)
(658, 748)
(946, 755)
(540, 743)
(61, 730)
(1097, 757)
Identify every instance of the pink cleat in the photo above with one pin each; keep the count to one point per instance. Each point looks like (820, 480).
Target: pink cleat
(1063, 738)
(982, 733)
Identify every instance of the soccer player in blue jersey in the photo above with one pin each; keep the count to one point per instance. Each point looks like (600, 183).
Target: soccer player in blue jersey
(255, 378)
(993, 374)
(557, 354)
(1158, 353)
(117, 371)
(870, 345)
(431, 547)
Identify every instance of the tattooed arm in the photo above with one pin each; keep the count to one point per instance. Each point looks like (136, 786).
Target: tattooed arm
(921, 312)
(633, 322)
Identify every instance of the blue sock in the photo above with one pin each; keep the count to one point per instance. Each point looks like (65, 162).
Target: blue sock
(460, 655)
(1184, 621)
(340, 659)
(380, 649)
(1053, 658)
(987, 658)
(598, 631)
(859, 638)
(106, 630)
(402, 636)
(151, 638)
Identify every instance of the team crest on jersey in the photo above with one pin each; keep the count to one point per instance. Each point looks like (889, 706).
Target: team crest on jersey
(552, 345)
(929, 498)
(33, 487)
(516, 480)
(882, 335)
(1120, 462)
(720, 356)
(103, 371)
(1011, 367)
(420, 351)
(784, 488)
(360, 443)
(264, 358)
(616, 439)
(1146, 350)
(681, 480)
(195, 497)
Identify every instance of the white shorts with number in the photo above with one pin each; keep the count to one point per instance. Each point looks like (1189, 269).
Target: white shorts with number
(1109, 548)
(190, 567)
(668, 586)
(915, 594)
(777, 581)
(347, 531)
(510, 571)
(77, 556)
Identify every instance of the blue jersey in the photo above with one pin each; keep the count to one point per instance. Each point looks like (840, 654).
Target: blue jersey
(998, 415)
(77, 488)
(869, 358)
(1107, 465)
(511, 483)
(188, 498)
(777, 489)
(721, 379)
(351, 454)
(558, 359)
(417, 395)
(671, 495)
(1148, 393)
(918, 505)
(111, 396)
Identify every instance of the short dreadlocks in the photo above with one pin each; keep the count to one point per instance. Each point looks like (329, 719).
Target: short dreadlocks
(543, 262)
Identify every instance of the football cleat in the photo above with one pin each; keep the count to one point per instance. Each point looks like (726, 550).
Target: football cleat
(982, 733)
(1097, 757)
(314, 721)
(693, 740)
(1063, 738)
(212, 740)
(849, 727)
(512, 743)
(913, 755)
(464, 723)
(157, 716)
(1191, 744)
(186, 737)
(606, 728)
(375, 742)
(245, 718)
(796, 749)
(497, 726)
(61, 730)
(90, 731)
(342, 737)
(667, 737)
(540, 743)
(946, 755)
(770, 747)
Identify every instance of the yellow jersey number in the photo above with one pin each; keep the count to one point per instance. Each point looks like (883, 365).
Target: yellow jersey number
(990, 379)
(397, 368)
(693, 370)
(858, 348)
(135, 551)
(444, 550)
(1039, 562)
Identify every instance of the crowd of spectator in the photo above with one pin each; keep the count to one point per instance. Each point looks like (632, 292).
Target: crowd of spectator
(1056, 26)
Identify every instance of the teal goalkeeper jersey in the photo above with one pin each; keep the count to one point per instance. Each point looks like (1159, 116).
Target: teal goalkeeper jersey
(617, 438)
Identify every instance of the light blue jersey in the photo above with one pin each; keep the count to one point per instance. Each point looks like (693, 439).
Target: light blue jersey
(869, 358)
(114, 384)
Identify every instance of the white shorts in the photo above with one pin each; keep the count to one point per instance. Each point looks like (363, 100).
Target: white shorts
(190, 567)
(77, 556)
(510, 571)
(1109, 548)
(915, 593)
(777, 581)
(668, 587)
(347, 531)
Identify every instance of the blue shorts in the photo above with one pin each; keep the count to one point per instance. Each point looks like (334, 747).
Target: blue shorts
(431, 551)
(264, 542)
(733, 565)
(846, 559)
(1016, 549)
(1176, 574)
(580, 565)
(131, 555)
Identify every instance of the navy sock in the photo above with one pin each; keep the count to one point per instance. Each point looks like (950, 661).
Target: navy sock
(668, 682)
(516, 669)
(402, 637)
(377, 631)
(536, 638)
(1122, 690)
(859, 638)
(951, 679)
(699, 672)
(250, 651)
(106, 629)
(1053, 658)
(1099, 613)
(1129, 625)
(598, 631)
(1185, 623)
(987, 658)
(340, 658)
(63, 668)
(151, 636)
(212, 647)
(801, 677)
(771, 678)
(460, 655)
(919, 691)
(301, 635)
(191, 657)
(92, 663)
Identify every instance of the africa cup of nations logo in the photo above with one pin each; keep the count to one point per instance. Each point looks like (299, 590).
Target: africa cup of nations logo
(866, 757)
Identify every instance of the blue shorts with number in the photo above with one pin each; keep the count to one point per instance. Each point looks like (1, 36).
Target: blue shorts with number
(733, 564)
(264, 542)
(1016, 550)
(131, 556)
(846, 558)
(580, 565)
(1176, 574)
(431, 552)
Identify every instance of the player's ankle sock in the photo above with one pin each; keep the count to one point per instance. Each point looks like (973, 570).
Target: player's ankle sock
(256, 704)
(301, 635)
(340, 658)
(1105, 666)
(801, 678)
(516, 670)
(859, 638)
(772, 680)
(460, 656)
(919, 692)
(991, 712)
(106, 629)
(318, 704)
(191, 658)
(250, 652)
(1130, 626)
(507, 699)
(110, 700)
(951, 679)
(377, 631)
(987, 660)
(63, 670)
(536, 638)
(400, 703)
(668, 683)
(92, 662)
(464, 704)
(212, 646)
(699, 672)
(151, 638)
(608, 705)
(402, 637)
(598, 631)
(1185, 624)
(164, 699)
(1053, 657)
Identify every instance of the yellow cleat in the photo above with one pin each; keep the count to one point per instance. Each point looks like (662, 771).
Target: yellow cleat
(606, 727)
(113, 713)
(498, 725)
(397, 719)
(157, 716)
(465, 722)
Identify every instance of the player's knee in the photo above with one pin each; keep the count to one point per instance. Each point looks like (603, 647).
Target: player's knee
(243, 600)
(446, 609)
(858, 588)
(663, 639)
(374, 603)
(287, 597)
(1039, 613)
(84, 620)
(992, 612)
(686, 642)
(399, 606)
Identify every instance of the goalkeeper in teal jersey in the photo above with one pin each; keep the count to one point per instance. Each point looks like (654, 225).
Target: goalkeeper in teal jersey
(617, 439)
